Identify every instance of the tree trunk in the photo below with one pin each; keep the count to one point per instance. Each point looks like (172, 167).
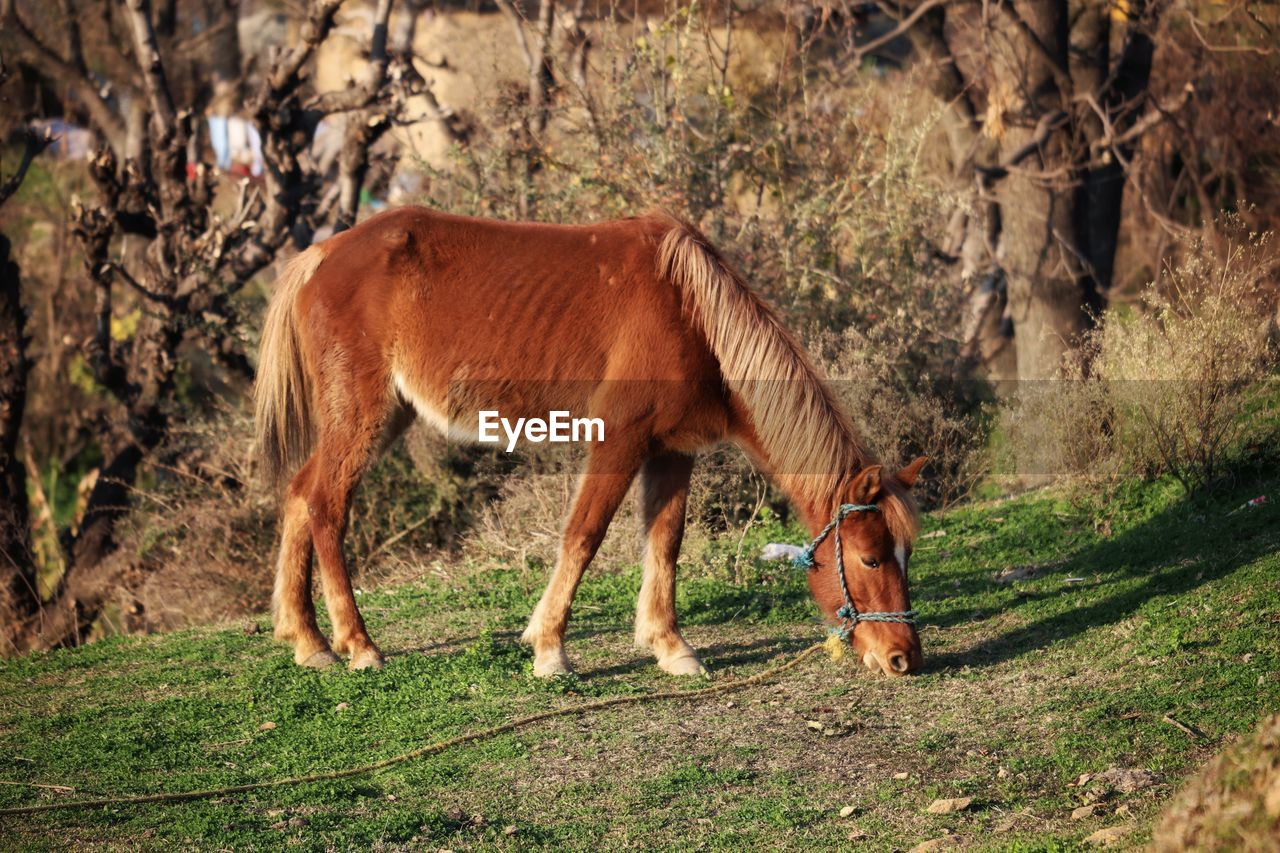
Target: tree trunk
(19, 595)
(1102, 186)
(1050, 298)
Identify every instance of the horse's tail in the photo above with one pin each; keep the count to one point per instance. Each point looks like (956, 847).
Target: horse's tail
(282, 392)
(760, 360)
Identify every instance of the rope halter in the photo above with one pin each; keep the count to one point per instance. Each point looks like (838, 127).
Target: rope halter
(848, 613)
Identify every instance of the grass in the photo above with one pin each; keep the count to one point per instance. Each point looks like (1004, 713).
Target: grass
(1139, 607)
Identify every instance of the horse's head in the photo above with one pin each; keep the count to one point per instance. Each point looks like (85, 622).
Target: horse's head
(876, 546)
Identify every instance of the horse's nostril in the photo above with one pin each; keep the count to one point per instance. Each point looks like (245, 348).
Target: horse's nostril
(899, 661)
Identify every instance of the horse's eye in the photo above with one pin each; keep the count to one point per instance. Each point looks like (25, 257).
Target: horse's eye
(870, 563)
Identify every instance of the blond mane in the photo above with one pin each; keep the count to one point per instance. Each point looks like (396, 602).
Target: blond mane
(810, 443)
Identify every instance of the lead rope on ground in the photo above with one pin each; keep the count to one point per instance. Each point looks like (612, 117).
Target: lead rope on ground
(430, 749)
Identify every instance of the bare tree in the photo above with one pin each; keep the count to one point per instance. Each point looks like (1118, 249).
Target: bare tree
(195, 260)
(1048, 100)
(544, 57)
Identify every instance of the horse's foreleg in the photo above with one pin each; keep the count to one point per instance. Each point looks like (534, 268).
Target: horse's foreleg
(664, 483)
(609, 473)
(293, 612)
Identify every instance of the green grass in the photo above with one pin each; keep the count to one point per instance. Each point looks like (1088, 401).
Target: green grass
(1141, 606)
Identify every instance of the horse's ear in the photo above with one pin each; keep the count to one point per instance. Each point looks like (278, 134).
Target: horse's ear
(908, 475)
(866, 486)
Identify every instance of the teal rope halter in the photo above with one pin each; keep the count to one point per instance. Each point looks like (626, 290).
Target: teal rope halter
(848, 613)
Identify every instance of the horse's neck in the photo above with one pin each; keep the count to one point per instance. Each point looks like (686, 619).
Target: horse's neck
(815, 490)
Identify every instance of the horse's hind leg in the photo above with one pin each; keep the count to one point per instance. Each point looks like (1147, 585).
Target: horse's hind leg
(293, 611)
(664, 483)
(314, 518)
(341, 458)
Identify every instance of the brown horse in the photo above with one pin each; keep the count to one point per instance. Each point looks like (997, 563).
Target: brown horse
(638, 322)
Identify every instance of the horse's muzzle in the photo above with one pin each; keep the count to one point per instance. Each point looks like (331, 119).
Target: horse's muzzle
(894, 662)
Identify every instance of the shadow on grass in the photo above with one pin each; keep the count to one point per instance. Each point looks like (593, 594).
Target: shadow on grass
(719, 657)
(1174, 553)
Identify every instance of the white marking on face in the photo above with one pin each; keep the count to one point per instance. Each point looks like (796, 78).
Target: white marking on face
(900, 553)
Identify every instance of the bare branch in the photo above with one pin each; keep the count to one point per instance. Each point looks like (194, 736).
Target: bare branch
(1224, 48)
(1048, 123)
(57, 68)
(284, 74)
(1148, 120)
(147, 52)
(860, 51)
(517, 19)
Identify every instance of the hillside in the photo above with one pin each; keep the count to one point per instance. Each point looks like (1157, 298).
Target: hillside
(1138, 641)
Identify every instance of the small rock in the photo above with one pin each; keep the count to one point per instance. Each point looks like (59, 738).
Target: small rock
(901, 776)
(1083, 780)
(1002, 773)
(815, 725)
(1127, 780)
(510, 829)
(1247, 657)
(731, 704)
(954, 804)
(267, 726)
(342, 706)
(1083, 812)
(847, 810)
(1110, 835)
(1014, 573)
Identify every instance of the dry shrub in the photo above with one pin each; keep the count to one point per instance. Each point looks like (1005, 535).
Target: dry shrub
(520, 527)
(1184, 374)
(910, 410)
(199, 545)
(1176, 387)
(1233, 804)
(1059, 429)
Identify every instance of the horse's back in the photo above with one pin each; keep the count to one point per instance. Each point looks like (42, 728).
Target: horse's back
(457, 312)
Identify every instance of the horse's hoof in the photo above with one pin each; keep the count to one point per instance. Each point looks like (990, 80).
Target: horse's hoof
(367, 659)
(551, 664)
(684, 664)
(322, 659)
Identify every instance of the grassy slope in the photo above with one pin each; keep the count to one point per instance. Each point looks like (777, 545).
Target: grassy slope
(1029, 684)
